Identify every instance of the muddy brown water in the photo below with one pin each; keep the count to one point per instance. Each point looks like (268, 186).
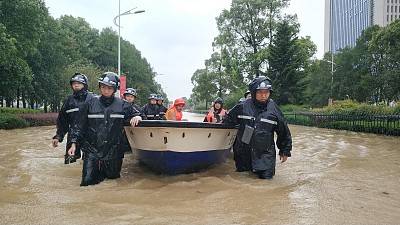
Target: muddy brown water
(333, 177)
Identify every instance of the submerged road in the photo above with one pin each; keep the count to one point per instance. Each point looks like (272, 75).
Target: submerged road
(333, 177)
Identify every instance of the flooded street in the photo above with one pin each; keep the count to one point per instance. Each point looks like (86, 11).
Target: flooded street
(333, 177)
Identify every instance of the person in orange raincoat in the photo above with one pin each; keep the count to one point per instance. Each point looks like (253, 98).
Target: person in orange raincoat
(175, 112)
(216, 113)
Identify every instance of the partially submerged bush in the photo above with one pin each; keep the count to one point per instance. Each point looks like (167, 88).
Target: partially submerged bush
(40, 119)
(10, 121)
(18, 110)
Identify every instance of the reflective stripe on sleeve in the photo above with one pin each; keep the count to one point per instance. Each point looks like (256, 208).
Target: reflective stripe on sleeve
(95, 116)
(117, 116)
(72, 110)
(245, 117)
(269, 121)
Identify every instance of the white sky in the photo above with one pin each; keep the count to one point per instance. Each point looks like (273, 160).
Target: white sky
(175, 36)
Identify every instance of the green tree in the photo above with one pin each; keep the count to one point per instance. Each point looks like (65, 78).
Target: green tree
(248, 26)
(13, 69)
(203, 90)
(288, 58)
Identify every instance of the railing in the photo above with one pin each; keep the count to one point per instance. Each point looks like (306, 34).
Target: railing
(378, 124)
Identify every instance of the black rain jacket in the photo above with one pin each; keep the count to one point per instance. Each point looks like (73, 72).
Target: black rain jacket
(151, 112)
(266, 120)
(100, 128)
(69, 114)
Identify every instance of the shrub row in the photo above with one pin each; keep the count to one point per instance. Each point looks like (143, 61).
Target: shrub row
(12, 121)
(40, 119)
(18, 110)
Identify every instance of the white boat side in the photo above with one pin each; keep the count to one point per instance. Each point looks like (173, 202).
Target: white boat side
(178, 139)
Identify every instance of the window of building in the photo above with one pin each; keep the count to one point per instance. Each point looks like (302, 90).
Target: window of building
(395, 9)
(391, 18)
(387, 18)
(387, 10)
(391, 8)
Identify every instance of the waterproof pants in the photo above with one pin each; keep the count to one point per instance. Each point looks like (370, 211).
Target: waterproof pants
(246, 159)
(95, 171)
(242, 156)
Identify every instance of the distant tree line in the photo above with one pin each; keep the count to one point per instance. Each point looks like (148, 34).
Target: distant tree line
(255, 38)
(39, 54)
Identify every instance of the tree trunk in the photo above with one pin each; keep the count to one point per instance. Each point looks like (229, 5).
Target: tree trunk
(23, 101)
(17, 97)
(8, 102)
(45, 106)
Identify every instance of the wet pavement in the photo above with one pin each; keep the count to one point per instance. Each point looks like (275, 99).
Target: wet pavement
(333, 177)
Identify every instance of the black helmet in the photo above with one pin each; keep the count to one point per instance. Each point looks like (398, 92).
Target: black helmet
(219, 100)
(79, 77)
(246, 93)
(260, 83)
(160, 97)
(130, 91)
(110, 79)
(153, 96)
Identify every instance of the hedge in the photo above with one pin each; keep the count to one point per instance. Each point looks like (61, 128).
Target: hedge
(11, 121)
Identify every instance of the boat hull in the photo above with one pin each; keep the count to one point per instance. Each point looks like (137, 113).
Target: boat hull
(180, 147)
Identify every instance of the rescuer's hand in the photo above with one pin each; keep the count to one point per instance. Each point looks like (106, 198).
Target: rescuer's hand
(71, 150)
(135, 121)
(55, 142)
(283, 158)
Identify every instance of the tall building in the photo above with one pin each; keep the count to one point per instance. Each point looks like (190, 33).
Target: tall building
(346, 19)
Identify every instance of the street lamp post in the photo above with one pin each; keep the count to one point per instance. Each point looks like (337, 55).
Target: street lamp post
(119, 29)
(332, 71)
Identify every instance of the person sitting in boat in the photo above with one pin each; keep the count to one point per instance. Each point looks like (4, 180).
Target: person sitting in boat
(68, 114)
(161, 108)
(129, 96)
(151, 110)
(99, 132)
(175, 112)
(216, 113)
(258, 119)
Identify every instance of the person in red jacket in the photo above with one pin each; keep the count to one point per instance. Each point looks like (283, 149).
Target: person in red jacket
(216, 113)
(175, 112)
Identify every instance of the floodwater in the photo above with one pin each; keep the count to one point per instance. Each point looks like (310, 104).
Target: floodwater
(333, 177)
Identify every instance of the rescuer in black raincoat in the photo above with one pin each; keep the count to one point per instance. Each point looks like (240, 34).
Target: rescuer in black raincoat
(130, 95)
(151, 110)
(69, 112)
(99, 132)
(258, 119)
(161, 108)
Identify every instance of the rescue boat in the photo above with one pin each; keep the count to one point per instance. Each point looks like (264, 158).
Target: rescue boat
(175, 147)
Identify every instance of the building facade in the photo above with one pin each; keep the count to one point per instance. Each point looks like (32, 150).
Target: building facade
(346, 19)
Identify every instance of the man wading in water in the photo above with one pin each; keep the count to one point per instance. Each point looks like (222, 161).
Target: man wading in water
(69, 112)
(259, 118)
(99, 132)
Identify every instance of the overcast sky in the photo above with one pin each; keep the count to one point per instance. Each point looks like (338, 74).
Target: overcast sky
(175, 36)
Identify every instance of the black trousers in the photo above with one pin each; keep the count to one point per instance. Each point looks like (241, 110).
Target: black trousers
(242, 156)
(95, 171)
